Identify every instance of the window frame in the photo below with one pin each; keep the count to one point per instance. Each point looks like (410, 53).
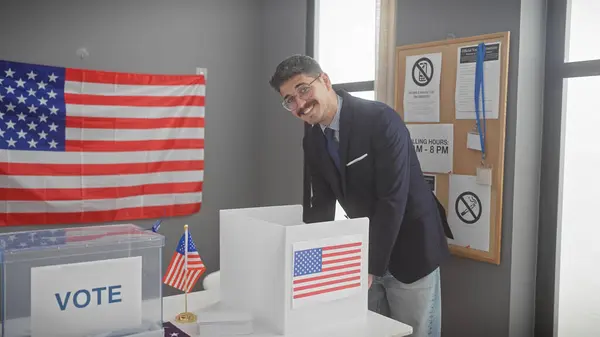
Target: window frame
(550, 200)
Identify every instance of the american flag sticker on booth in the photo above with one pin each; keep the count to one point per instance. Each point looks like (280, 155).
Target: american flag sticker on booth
(327, 269)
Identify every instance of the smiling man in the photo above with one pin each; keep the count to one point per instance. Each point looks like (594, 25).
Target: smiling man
(360, 153)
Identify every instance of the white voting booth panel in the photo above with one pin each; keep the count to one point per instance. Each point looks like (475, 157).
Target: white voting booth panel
(293, 276)
(81, 281)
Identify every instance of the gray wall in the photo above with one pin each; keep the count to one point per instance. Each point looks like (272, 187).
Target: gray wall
(481, 299)
(167, 37)
(281, 160)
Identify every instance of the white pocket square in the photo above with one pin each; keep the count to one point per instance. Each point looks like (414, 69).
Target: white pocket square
(357, 159)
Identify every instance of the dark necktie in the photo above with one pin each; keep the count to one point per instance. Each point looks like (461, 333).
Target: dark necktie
(333, 147)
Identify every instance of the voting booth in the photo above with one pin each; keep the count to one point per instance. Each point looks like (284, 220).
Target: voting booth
(290, 276)
(81, 281)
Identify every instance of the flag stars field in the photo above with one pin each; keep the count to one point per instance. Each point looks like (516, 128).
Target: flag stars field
(22, 110)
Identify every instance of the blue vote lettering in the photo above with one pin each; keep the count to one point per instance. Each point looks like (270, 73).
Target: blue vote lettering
(83, 297)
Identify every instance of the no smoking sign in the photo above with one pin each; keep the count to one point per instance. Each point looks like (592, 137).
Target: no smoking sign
(468, 207)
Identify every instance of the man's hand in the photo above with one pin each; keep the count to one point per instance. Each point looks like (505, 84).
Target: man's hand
(370, 280)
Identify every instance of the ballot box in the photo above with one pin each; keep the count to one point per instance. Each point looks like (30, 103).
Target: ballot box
(81, 281)
(293, 277)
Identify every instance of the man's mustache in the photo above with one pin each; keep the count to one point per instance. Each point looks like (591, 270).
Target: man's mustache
(306, 107)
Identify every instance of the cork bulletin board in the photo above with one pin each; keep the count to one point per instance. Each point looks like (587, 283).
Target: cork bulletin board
(473, 202)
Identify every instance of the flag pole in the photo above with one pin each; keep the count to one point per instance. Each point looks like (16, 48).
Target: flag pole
(185, 275)
(185, 316)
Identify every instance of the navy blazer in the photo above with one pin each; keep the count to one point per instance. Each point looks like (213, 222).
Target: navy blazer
(380, 178)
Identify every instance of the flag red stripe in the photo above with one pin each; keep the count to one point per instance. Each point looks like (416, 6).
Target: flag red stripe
(133, 123)
(190, 281)
(194, 279)
(133, 213)
(41, 169)
(178, 273)
(22, 194)
(177, 277)
(353, 285)
(141, 101)
(354, 251)
(346, 259)
(193, 259)
(133, 145)
(327, 283)
(347, 245)
(316, 278)
(108, 77)
(193, 282)
(195, 265)
(173, 269)
(350, 265)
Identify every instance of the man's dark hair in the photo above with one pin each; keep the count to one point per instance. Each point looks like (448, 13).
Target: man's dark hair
(292, 66)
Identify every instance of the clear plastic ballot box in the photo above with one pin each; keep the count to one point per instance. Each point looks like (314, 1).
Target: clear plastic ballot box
(81, 281)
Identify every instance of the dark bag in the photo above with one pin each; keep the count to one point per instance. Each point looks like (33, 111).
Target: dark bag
(442, 211)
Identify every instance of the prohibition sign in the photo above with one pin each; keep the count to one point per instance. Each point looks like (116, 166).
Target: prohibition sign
(422, 71)
(468, 207)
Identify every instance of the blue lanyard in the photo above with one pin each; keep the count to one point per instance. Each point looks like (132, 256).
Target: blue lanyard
(480, 93)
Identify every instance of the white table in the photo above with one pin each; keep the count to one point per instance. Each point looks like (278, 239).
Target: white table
(376, 326)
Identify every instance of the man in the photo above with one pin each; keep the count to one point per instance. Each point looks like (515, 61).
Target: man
(360, 153)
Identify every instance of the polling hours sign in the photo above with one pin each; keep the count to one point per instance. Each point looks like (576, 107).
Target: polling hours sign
(434, 146)
(82, 299)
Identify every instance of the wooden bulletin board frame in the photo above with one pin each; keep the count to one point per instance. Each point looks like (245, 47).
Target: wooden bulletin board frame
(465, 161)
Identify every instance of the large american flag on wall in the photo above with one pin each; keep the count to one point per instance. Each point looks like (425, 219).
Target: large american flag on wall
(80, 146)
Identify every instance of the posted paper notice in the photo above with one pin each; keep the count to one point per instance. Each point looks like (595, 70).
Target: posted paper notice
(465, 81)
(422, 88)
(434, 144)
(469, 212)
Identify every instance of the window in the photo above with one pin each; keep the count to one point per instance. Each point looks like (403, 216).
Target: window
(579, 286)
(344, 42)
(583, 27)
(567, 282)
(364, 94)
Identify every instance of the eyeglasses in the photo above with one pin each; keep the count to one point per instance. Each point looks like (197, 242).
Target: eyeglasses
(305, 92)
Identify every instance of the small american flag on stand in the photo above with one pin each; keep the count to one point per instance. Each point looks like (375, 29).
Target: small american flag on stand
(186, 265)
(80, 146)
(326, 270)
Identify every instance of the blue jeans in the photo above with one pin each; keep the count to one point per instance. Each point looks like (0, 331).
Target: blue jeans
(418, 304)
